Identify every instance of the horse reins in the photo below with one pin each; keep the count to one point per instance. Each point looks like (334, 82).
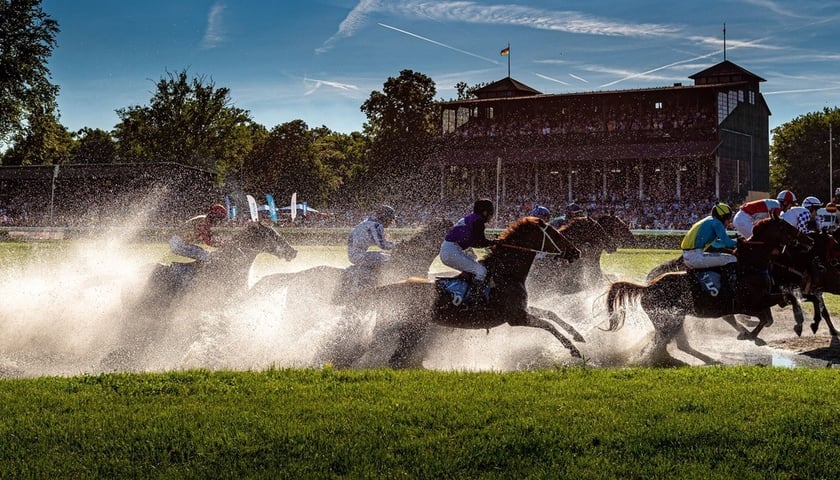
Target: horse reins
(544, 230)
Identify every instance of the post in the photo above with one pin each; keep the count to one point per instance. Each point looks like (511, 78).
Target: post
(52, 193)
(830, 163)
(498, 180)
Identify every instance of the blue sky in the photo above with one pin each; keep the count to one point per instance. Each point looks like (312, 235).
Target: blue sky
(318, 60)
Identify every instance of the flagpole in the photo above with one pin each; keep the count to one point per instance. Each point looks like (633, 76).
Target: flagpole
(508, 55)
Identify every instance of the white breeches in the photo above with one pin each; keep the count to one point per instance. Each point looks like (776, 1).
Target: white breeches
(453, 256)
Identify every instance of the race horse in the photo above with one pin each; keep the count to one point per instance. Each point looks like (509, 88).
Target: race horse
(406, 310)
(667, 299)
(593, 236)
(812, 273)
(201, 286)
(334, 285)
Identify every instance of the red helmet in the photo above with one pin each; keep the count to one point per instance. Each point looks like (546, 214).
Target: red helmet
(217, 211)
(786, 196)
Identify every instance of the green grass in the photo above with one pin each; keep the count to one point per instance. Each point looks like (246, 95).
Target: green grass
(580, 423)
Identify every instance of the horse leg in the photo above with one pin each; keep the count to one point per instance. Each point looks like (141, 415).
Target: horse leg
(681, 339)
(764, 318)
(537, 322)
(541, 312)
(819, 306)
(666, 326)
(732, 320)
(798, 316)
(409, 336)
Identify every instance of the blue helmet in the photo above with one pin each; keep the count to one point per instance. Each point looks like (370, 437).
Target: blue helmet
(573, 210)
(541, 212)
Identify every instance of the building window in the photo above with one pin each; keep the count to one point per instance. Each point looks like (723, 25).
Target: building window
(752, 97)
(657, 105)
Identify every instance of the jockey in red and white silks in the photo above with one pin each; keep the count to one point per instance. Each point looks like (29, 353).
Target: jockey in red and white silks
(750, 213)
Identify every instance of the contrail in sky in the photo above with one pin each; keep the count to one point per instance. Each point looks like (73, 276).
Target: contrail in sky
(578, 78)
(660, 68)
(549, 78)
(803, 90)
(440, 44)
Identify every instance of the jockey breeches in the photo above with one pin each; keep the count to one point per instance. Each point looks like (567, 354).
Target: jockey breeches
(179, 247)
(743, 222)
(368, 259)
(697, 258)
(453, 256)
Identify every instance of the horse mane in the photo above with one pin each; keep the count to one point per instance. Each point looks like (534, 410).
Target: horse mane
(517, 224)
(572, 221)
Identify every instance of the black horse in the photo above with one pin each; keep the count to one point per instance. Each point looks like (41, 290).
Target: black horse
(406, 310)
(203, 286)
(593, 236)
(335, 285)
(667, 299)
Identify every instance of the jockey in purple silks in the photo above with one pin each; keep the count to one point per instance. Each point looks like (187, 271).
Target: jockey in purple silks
(468, 233)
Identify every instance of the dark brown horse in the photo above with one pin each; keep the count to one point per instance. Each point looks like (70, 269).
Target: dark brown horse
(593, 237)
(406, 310)
(668, 298)
(333, 285)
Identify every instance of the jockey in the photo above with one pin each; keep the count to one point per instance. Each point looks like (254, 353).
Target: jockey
(752, 212)
(467, 233)
(541, 212)
(199, 228)
(573, 210)
(828, 217)
(787, 199)
(802, 217)
(371, 231)
(704, 233)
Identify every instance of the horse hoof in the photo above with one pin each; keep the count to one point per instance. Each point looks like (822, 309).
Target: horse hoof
(797, 329)
(575, 352)
(745, 336)
(814, 328)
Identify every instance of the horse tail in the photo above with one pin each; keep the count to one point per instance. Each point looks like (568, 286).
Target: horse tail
(618, 295)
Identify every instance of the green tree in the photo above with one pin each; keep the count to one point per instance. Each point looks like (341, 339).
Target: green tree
(27, 38)
(402, 124)
(466, 92)
(93, 145)
(285, 162)
(45, 141)
(799, 154)
(188, 121)
(344, 156)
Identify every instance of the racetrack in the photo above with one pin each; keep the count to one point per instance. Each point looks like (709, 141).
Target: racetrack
(59, 313)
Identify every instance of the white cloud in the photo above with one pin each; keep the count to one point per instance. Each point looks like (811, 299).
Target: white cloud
(213, 34)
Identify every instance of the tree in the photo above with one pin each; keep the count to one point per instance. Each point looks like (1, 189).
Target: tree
(285, 162)
(345, 158)
(27, 38)
(466, 92)
(402, 126)
(799, 154)
(187, 121)
(45, 141)
(93, 145)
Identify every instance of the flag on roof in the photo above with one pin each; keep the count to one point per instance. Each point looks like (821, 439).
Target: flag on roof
(505, 51)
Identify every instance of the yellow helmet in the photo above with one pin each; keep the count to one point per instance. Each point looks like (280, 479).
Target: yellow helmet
(721, 211)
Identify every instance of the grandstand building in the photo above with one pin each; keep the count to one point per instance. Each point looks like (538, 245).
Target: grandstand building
(709, 139)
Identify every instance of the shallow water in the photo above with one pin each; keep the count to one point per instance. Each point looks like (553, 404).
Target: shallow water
(60, 313)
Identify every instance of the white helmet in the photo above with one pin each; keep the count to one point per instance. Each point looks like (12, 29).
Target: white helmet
(810, 202)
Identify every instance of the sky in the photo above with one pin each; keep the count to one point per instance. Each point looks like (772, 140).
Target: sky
(319, 60)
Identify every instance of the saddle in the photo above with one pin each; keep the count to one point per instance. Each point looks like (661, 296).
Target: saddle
(357, 278)
(456, 292)
(716, 281)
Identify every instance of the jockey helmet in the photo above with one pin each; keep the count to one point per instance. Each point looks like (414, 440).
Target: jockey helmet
(385, 213)
(574, 210)
(831, 207)
(722, 211)
(217, 212)
(541, 212)
(786, 196)
(811, 202)
(484, 205)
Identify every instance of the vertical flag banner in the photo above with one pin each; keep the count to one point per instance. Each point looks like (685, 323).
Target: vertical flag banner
(272, 208)
(252, 206)
(293, 211)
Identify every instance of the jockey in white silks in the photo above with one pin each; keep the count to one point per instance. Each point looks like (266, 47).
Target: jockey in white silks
(371, 232)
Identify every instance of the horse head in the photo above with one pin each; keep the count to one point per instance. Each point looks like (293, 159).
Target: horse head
(589, 236)
(257, 238)
(535, 235)
(617, 230)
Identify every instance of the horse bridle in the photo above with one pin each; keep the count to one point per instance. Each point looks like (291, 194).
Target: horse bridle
(544, 229)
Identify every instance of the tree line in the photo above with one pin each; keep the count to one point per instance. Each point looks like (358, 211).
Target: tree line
(192, 121)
